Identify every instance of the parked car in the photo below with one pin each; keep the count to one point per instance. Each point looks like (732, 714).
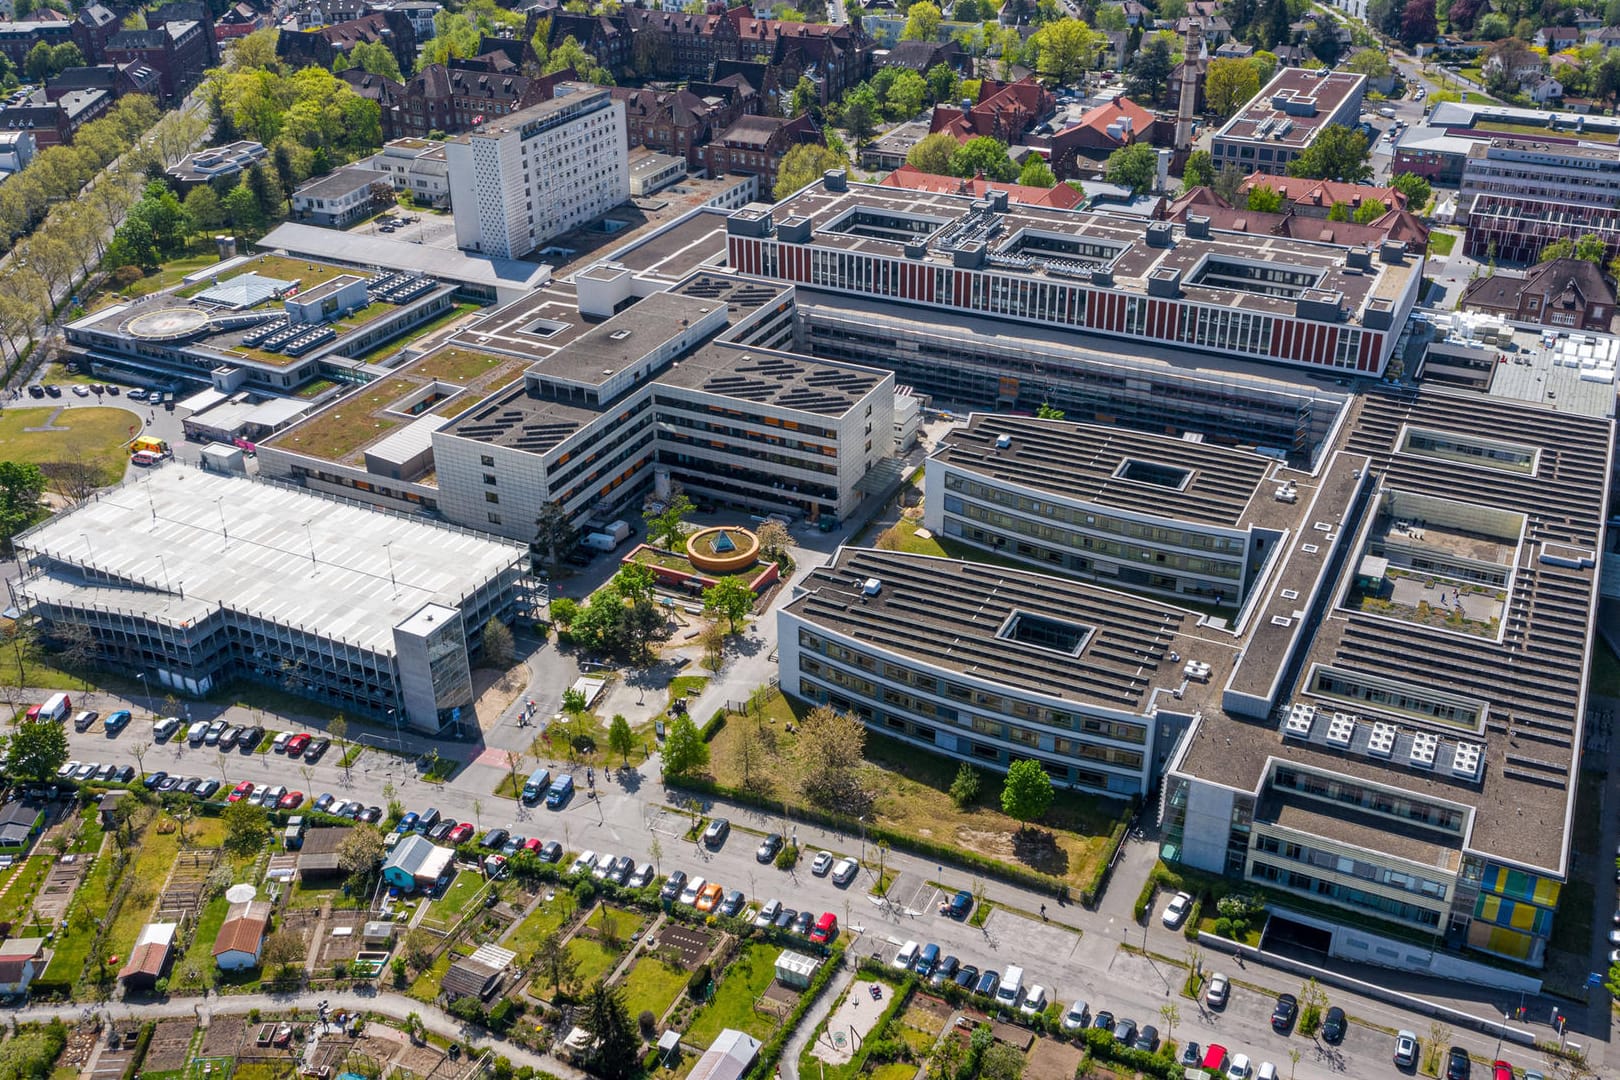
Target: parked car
(240, 791)
(67, 769)
(459, 834)
(768, 847)
(292, 800)
(87, 770)
(105, 773)
(604, 863)
(845, 871)
(370, 815)
(165, 727)
(550, 851)
(989, 983)
(205, 789)
(125, 774)
(709, 897)
(406, 823)
(960, 904)
(1283, 1013)
(1406, 1049)
(116, 721)
(1333, 1027)
(1177, 909)
(316, 749)
(673, 886)
(1458, 1067)
(639, 879)
(1103, 1021)
(1220, 987)
(1034, 1001)
(83, 720)
(1239, 1069)
(906, 958)
(732, 904)
(822, 863)
(493, 839)
(324, 801)
(1147, 1039)
(252, 737)
(716, 833)
(438, 832)
(583, 862)
(215, 730)
(786, 919)
(230, 737)
(968, 977)
(279, 744)
(927, 957)
(768, 913)
(621, 870)
(1125, 1031)
(946, 972)
(297, 744)
(804, 922)
(152, 779)
(1501, 1070)
(692, 890)
(1075, 1019)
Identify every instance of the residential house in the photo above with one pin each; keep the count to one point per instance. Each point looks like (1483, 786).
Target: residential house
(1005, 111)
(1569, 293)
(1608, 37)
(387, 93)
(240, 941)
(1317, 198)
(756, 145)
(238, 20)
(1100, 131)
(150, 957)
(922, 56)
(1557, 38)
(415, 862)
(21, 960)
(1543, 89)
(338, 199)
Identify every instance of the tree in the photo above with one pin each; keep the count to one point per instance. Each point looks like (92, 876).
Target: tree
(615, 1051)
(1417, 22)
(1369, 211)
(804, 164)
(1199, 170)
(774, 540)
(922, 22)
(498, 646)
(359, 856)
(805, 96)
(731, 597)
(965, 787)
(564, 610)
(1264, 199)
(860, 114)
(1415, 188)
(554, 533)
(829, 755)
(569, 53)
(932, 153)
(906, 95)
(983, 154)
(1036, 173)
(555, 963)
(1001, 1062)
(1135, 166)
(664, 527)
(202, 205)
(1371, 63)
(246, 827)
(1150, 70)
(685, 752)
(21, 486)
(941, 82)
(1065, 49)
(1229, 84)
(651, 51)
(37, 749)
(1027, 793)
(620, 740)
(375, 57)
(1048, 412)
(1337, 153)
(283, 949)
(1339, 211)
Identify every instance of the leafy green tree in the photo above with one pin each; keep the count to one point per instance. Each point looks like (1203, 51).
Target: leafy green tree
(1134, 166)
(1337, 153)
(375, 57)
(802, 165)
(685, 752)
(22, 485)
(1339, 211)
(1229, 84)
(1048, 412)
(204, 208)
(1590, 248)
(554, 535)
(1264, 200)
(829, 753)
(965, 788)
(555, 963)
(1199, 170)
(1027, 793)
(1149, 70)
(616, 1047)
(1369, 62)
(243, 211)
(36, 750)
(1036, 173)
(620, 739)
(1369, 211)
(1415, 188)
(664, 527)
(569, 53)
(941, 83)
(1065, 49)
(922, 22)
(246, 827)
(906, 95)
(932, 153)
(861, 110)
(730, 597)
(805, 97)
(983, 154)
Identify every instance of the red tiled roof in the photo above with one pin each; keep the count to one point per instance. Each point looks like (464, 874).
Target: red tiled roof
(1304, 192)
(244, 928)
(1099, 119)
(1062, 196)
(146, 960)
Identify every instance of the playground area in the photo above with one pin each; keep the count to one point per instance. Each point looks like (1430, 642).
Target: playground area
(856, 1015)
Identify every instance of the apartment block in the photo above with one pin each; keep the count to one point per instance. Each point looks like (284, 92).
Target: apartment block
(1286, 116)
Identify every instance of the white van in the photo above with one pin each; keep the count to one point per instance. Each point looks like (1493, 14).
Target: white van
(1012, 987)
(197, 733)
(906, 957)
(165, 727)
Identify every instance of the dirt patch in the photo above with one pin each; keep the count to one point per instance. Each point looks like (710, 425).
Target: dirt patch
(689, 945)
(420, 1060)
(928, 1014)
(339, 946)
(81, 1041)
(60, 882)
(997, 844)
(779, 999)
(111, 1065)
(170, 1047)
(225, 1036)
(1052, 1060)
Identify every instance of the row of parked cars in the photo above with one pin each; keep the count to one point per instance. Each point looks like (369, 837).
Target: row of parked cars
(228, 736)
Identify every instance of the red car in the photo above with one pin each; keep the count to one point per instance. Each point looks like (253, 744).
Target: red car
(1501, 1070)
(533, 844)
(296, 744)
(460, 834)
(240, 791)
(290, 801)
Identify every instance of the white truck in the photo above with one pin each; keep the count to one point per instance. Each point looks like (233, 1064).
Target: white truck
(607, 537)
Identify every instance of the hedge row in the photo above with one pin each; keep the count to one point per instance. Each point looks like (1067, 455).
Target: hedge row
(712, 728)
(771, 1052)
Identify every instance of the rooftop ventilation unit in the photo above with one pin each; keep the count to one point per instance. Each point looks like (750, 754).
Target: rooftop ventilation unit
(1159, 234)
(1198, 226)
(871, 586)
(1465, 760)
(1424, 747)
(1287, 492)
(1003, 442)
(1340, 728)
(1300, 719)
(1382, 741)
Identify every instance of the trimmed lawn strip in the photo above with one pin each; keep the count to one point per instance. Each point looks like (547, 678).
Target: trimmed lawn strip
(27, 877)
(95, 434)
(545, 919)
(652, 986)
(426, 986)
(448, 909)
(594, 958)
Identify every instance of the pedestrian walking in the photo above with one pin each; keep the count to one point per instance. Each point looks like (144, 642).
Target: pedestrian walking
(1043, 913)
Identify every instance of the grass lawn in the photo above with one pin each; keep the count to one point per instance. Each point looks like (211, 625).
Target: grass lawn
(172, 273)
(652, 985)
(426, 986)
(97, 435)
(438, 322)
(307, 274)
(25, 878)
(448, 909)
(150, 869)
(61, 376)
(1441, 243)
(548, 917)
(625, 922)
(682, 686)
(595, 959)
(461, 366)
(732, 1006)
(300, 897)
(196, 968)
(895, 1070)
(913, 796)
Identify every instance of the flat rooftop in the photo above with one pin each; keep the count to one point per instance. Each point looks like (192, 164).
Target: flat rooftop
(1155, 475)
(361, 249)
(1527, 687)
(959, 615)
(285, 554)
(1291, 108)
(1260, 273)
(678, 249)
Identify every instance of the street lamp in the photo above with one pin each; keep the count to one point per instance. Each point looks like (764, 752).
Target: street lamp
(393, 714)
